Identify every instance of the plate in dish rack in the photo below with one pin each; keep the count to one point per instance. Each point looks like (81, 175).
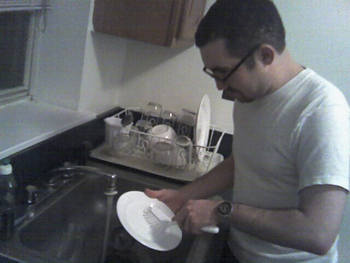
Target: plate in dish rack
(130, 209)
(202, 127)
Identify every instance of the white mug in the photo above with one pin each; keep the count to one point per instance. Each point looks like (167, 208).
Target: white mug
(161, 133)
(113, 126)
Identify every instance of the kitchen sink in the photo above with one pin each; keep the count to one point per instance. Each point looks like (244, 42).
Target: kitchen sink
(78, 222)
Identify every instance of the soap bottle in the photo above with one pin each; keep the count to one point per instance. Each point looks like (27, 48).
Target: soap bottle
(8, 187)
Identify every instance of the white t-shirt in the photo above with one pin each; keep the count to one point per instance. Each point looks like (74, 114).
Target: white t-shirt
(295, 137)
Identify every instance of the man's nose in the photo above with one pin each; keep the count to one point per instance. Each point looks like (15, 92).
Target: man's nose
(220, 85)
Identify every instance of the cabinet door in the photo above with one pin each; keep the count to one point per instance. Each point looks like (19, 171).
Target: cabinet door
(162, 22)
(191, 15)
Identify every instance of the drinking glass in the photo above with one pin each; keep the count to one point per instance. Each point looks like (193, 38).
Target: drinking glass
(183, 152)
(186, 122)
(153, 112)
(169, 118)
(162, 154)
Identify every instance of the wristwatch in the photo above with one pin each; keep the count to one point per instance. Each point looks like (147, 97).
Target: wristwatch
(224, 209)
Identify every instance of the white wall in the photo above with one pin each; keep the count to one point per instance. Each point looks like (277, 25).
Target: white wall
(61, 52)
(174, 78)
(318, 35)
(103, 70)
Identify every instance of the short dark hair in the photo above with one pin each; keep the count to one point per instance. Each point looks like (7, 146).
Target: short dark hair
(243, 24)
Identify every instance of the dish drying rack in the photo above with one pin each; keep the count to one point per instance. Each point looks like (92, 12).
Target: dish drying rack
(139, 156)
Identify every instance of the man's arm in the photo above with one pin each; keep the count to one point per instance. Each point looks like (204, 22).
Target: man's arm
(313, 227)
(217, 180)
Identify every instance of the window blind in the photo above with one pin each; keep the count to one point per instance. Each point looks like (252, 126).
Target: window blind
(22, 5)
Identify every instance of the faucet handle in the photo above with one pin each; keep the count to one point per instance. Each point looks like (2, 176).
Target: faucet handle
(31, 194)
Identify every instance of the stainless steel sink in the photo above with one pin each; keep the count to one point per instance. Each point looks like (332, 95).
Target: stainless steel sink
(78, 223)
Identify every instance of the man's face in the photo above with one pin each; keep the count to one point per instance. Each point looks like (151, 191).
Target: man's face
(245, 84)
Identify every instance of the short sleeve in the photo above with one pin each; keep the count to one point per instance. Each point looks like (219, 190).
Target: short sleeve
(322, 147)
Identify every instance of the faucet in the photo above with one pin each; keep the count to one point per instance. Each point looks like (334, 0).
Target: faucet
(111, 190)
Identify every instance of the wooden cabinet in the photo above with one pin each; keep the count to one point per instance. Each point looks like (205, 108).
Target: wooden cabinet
(170, 23)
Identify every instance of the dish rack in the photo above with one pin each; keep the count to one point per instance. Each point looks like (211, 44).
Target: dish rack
(138, 156)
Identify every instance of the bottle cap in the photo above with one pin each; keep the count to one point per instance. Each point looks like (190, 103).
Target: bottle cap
(5, 167)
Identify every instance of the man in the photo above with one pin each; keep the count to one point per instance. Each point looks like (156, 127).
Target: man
(289, 167)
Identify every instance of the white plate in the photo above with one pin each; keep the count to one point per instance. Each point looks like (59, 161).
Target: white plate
(202, 126)
(130, 207)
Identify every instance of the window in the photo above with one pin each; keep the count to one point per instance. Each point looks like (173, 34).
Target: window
(19, 21)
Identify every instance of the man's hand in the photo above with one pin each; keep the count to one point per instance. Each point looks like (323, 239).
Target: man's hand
(196, 214)
(191, 215)
(172, 198)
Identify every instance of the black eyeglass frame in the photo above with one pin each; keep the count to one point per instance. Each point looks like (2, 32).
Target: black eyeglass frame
(229, 74)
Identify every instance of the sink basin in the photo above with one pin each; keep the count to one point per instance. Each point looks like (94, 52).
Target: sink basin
(79, 223)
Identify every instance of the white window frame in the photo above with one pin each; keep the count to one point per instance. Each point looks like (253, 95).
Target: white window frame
(38, 9)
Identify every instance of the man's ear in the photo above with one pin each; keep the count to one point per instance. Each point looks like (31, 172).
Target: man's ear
(266, 54)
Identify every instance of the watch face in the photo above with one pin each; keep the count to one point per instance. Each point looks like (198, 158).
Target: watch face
(225, 208)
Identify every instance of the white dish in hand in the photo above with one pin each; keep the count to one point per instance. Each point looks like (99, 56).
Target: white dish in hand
(130, 209)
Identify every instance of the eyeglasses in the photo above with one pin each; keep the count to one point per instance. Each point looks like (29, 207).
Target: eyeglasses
(229, 74)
